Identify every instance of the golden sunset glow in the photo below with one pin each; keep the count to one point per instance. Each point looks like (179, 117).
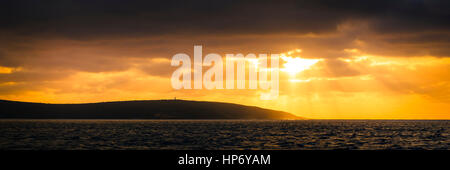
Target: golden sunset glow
(359, 86)
(335, 62)
(296, 64)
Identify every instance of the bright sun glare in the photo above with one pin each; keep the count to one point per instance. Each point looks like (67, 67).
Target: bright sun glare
(297, 64)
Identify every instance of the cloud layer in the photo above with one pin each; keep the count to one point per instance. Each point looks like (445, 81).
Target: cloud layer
(75, 51)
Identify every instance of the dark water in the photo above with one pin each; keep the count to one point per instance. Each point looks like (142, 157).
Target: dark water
(223, 134)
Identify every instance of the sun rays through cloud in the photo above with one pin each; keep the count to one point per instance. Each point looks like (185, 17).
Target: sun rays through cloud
(294, 64)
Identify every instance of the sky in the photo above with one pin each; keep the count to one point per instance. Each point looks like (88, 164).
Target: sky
(386, 59)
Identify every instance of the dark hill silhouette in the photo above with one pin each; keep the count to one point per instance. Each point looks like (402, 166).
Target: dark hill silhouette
(148, 109)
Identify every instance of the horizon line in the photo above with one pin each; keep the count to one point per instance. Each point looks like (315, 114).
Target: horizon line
(175, 99)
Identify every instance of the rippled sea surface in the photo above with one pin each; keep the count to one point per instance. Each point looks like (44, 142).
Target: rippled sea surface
(223, 134)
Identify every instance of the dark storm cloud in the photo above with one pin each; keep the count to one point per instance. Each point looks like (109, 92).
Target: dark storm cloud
(96, 18)
(111, 35)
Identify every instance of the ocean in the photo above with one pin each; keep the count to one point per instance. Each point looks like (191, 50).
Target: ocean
(224, 134)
